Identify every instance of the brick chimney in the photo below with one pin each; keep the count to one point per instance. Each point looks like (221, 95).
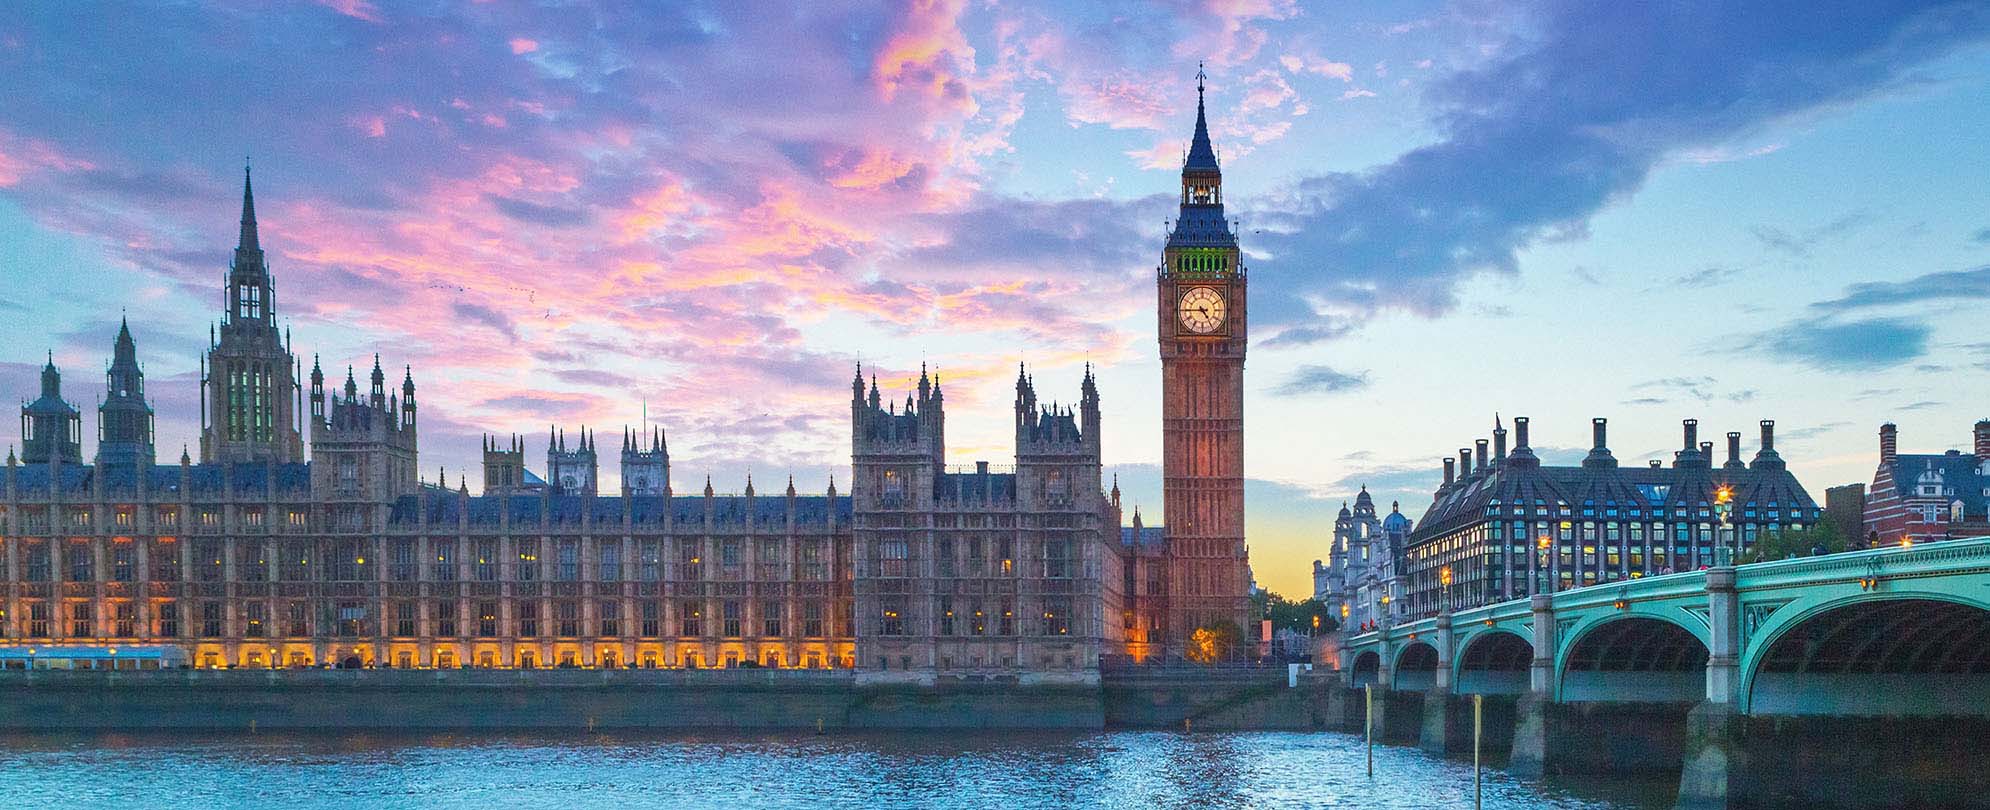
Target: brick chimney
(1599, 445)
(1983, 440)
(1449, 476)
(1889, 443)
(1734, 449)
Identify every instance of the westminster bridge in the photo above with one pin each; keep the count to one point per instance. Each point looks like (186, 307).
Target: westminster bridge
(1859, 679)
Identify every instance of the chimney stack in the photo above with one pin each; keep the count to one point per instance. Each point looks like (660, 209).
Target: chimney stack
(1519, 431)
(1692, 430)
(1766, 458)
(1449, 474)
(1464, 462)
(1485, 460)
(1983, 440)
(1499, 440)
(1599, 450)
(1889, 443)
(1734, 448)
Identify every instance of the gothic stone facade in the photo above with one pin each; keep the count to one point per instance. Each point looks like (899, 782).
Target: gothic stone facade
(258, 557)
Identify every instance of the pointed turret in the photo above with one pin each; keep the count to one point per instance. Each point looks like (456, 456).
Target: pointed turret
(124, 419)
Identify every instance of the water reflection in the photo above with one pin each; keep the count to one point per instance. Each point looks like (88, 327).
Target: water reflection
(862, 771)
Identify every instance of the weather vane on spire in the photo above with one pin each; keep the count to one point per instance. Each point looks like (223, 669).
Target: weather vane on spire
(1199, 76)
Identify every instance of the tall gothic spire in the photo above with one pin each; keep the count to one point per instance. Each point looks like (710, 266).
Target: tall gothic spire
(1201, 155)
(249, 243)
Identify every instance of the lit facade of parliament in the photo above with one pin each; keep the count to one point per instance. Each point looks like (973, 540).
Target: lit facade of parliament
(303, 535)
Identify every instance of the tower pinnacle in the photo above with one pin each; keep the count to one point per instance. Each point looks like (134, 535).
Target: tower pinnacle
(249, 242)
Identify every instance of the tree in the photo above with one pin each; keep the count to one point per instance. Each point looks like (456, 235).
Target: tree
(1825, 534)
(1215, 642)
(1287, 614)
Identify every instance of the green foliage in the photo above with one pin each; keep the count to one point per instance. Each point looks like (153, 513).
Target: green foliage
(1825, 534)
(1287, 614)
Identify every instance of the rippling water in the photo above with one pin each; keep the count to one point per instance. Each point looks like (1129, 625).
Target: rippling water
(1011, 771)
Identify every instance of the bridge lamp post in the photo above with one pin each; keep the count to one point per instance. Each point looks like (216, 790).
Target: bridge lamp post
(1443, 593)
(1724, 514)
(1542, 544)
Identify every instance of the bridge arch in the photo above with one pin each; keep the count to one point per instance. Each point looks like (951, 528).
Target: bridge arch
(1493, 662)
(1638, 657)
(1416, 667)
(1367, 667)
(1892, 654)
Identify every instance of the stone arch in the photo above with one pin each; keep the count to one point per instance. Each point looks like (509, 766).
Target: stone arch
(1634, 658)
(1367, 667)
(1890, 654)
(1416, 667)
(1493, 662)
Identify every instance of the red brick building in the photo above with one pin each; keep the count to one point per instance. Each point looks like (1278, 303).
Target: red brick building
(1927, 497)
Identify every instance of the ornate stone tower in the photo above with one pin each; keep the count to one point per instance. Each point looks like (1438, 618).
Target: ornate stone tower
(363, 450)
(645, 472)
(51, 428)
(576, 471)
(124, 420)
(249, 389)
(1202, 334)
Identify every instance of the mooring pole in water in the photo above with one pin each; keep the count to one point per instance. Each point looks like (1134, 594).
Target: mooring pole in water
(1478, 727)
(1368, 724)
(818, 725)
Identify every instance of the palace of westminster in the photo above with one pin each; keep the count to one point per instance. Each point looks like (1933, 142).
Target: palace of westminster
(302, 536)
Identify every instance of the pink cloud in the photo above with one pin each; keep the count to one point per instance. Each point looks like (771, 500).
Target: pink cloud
(1318, 65)
(521, 45)
(356, 9)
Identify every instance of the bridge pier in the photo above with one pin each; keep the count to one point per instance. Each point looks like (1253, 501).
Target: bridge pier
(1447, 724)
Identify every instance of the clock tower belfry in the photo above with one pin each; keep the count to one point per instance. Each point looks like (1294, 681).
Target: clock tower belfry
(1201, 303)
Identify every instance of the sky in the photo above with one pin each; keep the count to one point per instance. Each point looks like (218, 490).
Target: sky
(575, 213)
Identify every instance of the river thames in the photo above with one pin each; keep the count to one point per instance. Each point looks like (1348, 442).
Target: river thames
(872, 771)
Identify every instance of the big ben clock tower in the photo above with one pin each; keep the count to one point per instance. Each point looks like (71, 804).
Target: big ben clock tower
(1202, 335)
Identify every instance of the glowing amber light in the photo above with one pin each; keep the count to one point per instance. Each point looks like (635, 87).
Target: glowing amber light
(1724, 495)
(1543, 542)
(1444, 575)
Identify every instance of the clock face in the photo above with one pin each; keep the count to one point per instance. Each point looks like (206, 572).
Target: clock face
(1202, 310)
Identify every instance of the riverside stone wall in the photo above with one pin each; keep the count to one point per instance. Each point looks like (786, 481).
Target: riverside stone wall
(628, 699)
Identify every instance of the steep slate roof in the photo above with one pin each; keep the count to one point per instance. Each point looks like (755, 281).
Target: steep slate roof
(1143, 536)
(975, 487)
(1638, 492)
(1962, 479)
(207, 480)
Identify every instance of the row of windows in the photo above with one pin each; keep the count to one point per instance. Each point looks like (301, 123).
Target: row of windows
(353, 619)
(349, 560)
(974, 617)
(894, 558)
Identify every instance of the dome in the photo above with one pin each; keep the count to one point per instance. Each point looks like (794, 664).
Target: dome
(1395, 521)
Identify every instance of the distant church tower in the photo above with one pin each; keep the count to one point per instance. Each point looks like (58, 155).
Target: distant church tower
(1202, 336)
(124, 420)
(249, 389)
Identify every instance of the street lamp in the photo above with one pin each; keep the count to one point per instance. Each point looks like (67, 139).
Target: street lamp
(1542, 569)
(1724, 513)
(1444, 593)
